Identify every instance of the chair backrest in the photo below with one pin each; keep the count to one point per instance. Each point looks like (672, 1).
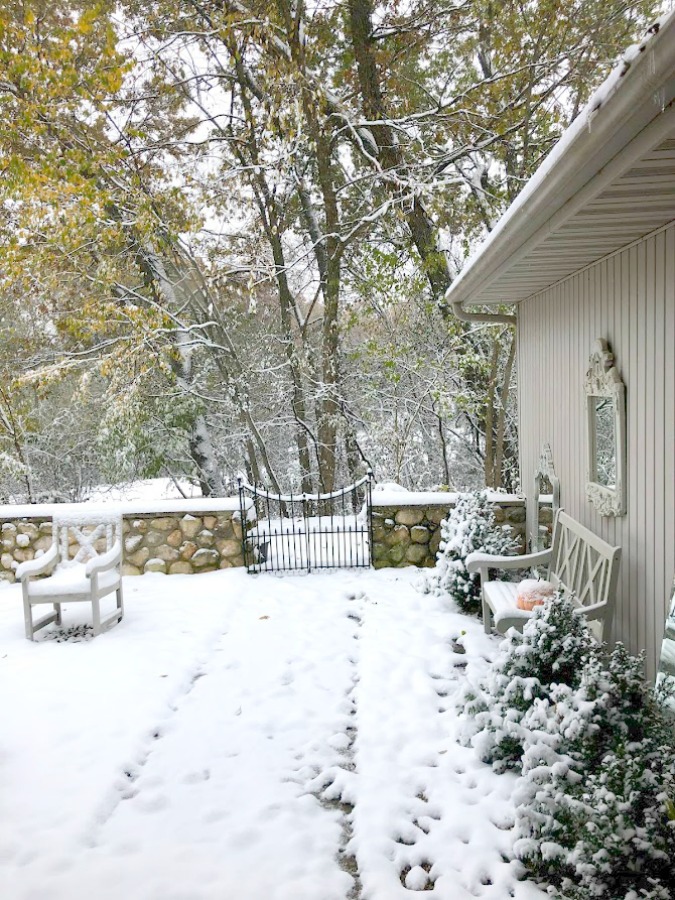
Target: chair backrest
(81, 536)
(584, 564)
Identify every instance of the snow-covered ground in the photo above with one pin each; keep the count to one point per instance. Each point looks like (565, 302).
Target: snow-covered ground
(250, 738)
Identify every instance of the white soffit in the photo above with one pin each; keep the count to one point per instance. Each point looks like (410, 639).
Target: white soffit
(607, 185)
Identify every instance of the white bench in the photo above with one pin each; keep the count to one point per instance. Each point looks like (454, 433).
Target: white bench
(579, 562)
(76, 570)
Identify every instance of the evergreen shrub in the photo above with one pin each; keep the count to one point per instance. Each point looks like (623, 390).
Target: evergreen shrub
(470, 527)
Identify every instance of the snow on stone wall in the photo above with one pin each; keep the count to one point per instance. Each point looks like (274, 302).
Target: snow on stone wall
(175, 542)
(407, 534)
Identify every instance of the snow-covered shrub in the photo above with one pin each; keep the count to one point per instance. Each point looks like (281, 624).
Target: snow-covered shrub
(551, 650)
(470, 526)
(596, 808)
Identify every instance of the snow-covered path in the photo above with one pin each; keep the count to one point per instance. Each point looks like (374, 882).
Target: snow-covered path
(250, 738)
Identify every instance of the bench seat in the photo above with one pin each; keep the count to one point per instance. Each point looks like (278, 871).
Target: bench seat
(579, 563)
(501, 597)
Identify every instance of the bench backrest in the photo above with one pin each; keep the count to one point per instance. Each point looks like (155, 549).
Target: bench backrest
(83, 536)
(585, 565)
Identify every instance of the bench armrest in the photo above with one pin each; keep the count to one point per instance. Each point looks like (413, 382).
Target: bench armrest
(477, 562)
(106, 560)
(39, 564)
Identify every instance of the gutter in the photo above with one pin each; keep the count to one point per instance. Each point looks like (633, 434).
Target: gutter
(490, 318)
(600, 145)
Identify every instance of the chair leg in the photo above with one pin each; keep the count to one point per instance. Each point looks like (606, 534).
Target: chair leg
(487, 619)
(120, 601)
(57, 610)
(96, 610)
(28, 619)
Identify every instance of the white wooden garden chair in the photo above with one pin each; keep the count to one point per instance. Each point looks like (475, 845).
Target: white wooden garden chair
(579, 563)
(76, 571)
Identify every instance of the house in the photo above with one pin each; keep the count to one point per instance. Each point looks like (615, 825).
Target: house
(587, 254)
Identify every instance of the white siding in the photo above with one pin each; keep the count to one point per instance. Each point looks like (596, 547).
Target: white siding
(628, 299)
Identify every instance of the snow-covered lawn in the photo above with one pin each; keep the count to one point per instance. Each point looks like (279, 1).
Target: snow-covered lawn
(250, 738)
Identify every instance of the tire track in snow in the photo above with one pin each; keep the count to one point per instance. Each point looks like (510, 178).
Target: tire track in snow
(337, 785)
(123, 788)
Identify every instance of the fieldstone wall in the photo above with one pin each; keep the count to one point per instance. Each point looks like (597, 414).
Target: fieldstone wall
(172, 542)
(409, 535)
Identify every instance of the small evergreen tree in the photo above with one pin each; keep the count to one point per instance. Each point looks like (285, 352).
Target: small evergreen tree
(596, 810)
(551, 650)
(470, 527)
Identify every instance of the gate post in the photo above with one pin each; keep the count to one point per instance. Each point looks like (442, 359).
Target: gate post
(306, 521)
(244, 519)
(369, 507)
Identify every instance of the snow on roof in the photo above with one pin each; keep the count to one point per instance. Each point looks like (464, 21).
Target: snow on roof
(570, 136)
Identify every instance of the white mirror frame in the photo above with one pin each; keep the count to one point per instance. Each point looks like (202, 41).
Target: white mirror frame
(603, 380)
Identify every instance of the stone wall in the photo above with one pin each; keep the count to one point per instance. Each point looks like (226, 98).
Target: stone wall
(170, 541)
(408, 534)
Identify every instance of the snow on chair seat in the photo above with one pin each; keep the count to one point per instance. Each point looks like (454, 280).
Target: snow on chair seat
(501, 598)
(83, 563)
(579, 563)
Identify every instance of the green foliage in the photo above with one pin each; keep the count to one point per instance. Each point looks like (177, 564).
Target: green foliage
(551, 651)
(594, 812)
(594, 808)
(470, 527)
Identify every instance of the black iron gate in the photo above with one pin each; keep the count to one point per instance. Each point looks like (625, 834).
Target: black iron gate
(303, 532)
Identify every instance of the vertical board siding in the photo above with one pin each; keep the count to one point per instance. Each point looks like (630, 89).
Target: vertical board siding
(628, 299)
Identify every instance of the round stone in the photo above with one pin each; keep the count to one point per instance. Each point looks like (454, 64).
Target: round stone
(22, 540)
(168, 554)
(24, 555)
(180, 568)
(396, 554)
(164, 523)
(436, 514)
(203, 558)
(190, 526)
(206, 538)
(155, 565)
(399, 535)
(420, 534)
(409, 516)
(229, 548)
(154, 538)
(128, 569)
(139, 558)
(188, 549)
(175, 539)
(416, 554)
(132, 543)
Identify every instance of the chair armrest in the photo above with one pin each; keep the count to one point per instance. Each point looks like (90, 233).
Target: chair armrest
(39, 564)
(475, 562)
(106, 560)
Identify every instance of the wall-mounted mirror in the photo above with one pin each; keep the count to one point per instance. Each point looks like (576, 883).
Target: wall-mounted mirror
(606, 426)
(546, 500)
